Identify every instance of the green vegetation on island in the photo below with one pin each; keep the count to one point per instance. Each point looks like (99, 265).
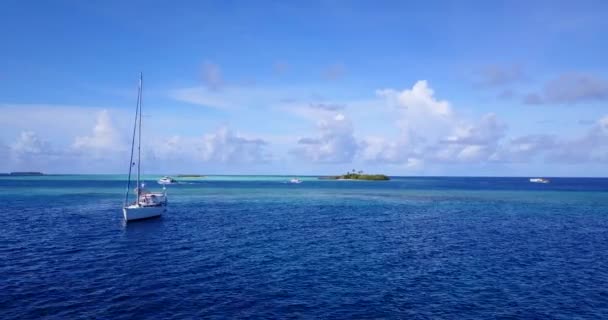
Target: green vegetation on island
(358, 175)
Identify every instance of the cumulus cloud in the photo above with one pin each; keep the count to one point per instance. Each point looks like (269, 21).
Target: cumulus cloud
(420, 98)
(407, 148)
(525, 148)
(470, 142)
(227, 146)
(205, 97)
(383, 150)
(50, 119)
(489, 130)
(571, 88)
(104, 139)
(590, 147)
(221, 146)
(173, 148)
(30, 152)
(237, 96)
(405, 128)
(29, 145)
(334, 144)
(422, 120)
(71, 149)
(432, 132)
(473, 153)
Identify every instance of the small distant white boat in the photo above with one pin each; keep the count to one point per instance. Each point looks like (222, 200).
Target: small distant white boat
(539, 180)
(295, 180)
(166, 180)
(147, 204)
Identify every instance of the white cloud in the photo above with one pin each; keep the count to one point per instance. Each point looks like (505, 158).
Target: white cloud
(221, 146)
(30, 152)
(406, 148)
(419, 99)
(105, 139)
(432, 132)
(469, 142)
(105, 148)
(63, 125)
(235, 96)
(472, 153)
(488, 131)
(590, 147)
(421, 116)
(327, 106)
(407, 129)
(204, 97)
(334, 144)
(173, 148)
(414, 163)
(524, 149)
(50, 120)
(28, 144)
(229, 147)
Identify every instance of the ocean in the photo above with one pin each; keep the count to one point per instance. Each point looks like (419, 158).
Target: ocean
(258, 247)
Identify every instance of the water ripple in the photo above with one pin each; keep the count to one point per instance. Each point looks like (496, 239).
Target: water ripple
(334, 250)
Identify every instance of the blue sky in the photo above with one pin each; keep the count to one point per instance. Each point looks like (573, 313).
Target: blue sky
(236, 87)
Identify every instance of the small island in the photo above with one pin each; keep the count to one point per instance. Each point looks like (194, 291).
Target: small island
(190, 176)
(358, 175)
(26, 173)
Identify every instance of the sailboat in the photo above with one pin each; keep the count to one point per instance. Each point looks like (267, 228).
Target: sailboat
(146, 204)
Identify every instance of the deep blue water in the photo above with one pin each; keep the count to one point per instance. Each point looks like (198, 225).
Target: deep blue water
(428, 248)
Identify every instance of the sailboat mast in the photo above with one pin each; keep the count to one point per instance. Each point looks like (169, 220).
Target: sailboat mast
(131, 163)
(141, 88)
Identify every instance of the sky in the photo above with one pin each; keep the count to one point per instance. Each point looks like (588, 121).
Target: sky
(440, 88)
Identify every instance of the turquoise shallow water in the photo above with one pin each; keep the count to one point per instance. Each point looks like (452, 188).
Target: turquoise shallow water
(258, 247)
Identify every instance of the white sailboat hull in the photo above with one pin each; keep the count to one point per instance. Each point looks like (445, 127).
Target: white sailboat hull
(147, 204)
(135, 212)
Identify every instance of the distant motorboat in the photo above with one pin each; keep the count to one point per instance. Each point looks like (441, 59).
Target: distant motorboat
(295, 180)
(166, 180)
(147, 204)
(539, 180)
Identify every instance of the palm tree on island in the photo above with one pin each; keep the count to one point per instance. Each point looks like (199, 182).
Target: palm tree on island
(359, 175)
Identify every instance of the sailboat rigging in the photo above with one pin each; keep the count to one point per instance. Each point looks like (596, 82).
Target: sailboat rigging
(147, 204)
